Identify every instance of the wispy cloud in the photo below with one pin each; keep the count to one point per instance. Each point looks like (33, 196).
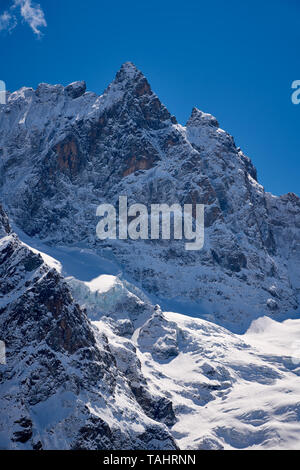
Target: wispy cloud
(7, 21)
(30, 12)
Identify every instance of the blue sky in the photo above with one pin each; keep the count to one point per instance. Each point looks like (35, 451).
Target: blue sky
(233, 59)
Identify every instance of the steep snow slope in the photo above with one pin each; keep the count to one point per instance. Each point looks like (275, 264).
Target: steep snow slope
(228, 391)
(61, 386)
(65, 150)
(143, 378)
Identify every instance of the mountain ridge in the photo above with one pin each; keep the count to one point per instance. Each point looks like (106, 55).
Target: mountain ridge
(61, 385)
(55, 144)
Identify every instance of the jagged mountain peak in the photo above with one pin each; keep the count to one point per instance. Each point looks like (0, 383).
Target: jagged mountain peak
(73, 90)
(128, 69)
(199, 118)
(131, 94)
(291, 197)
(131, 79)
(46, 92)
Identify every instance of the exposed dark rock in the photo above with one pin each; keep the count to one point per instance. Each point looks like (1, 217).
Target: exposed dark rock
(94, 435)
(25, 433)
(76, 89)
(159, 408)
(4, 223)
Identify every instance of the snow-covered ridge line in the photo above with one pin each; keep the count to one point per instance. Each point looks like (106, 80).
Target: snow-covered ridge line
(64, 151)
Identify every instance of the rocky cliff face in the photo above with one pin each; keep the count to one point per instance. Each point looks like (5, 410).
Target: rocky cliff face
(63, 151)
(63, 386)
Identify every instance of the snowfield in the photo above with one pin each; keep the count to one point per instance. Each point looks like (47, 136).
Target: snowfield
(228, 391)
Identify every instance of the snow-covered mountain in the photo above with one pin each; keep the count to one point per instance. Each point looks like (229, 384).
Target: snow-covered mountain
(135, 377)
(92, 360)
(63, 151)
(64, 386)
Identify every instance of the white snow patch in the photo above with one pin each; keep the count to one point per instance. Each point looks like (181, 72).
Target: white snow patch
(101, 283)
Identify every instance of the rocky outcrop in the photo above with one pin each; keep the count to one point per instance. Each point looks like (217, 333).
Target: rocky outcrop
(76, 89)
(62, 382)
(4, 223)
